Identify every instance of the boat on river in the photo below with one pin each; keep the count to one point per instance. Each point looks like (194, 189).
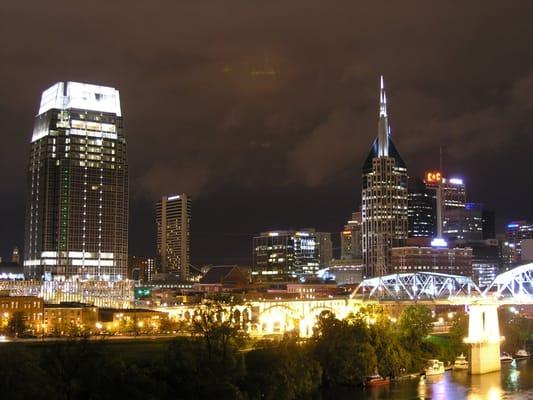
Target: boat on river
(505, 358)
(375, 380)
(521, 354)
(434, 367)
(460, 363)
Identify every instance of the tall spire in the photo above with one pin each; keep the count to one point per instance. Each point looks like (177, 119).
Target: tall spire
(383, 125)
(382, 100)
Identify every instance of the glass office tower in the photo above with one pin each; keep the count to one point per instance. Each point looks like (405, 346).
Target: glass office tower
(77, 200)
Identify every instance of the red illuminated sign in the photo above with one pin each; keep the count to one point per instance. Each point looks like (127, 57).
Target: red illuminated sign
(433, 177)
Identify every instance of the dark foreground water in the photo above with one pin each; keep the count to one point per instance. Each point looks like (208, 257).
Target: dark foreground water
(514, 381)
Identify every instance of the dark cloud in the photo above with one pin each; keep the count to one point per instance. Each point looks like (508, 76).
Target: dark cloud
(329, 148)
(273, 105)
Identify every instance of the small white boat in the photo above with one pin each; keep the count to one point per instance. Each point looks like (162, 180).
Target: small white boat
(460, 363)
(505, 358)
(521, 354)
(375, 380)
(434, 367)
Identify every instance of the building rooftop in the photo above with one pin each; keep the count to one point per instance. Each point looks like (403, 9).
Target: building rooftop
(218, 274)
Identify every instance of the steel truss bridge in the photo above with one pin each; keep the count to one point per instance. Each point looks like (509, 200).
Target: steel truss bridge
(511, 287)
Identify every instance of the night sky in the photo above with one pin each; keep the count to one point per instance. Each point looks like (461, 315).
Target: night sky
(265, 111)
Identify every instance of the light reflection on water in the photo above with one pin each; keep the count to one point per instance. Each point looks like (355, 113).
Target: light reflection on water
(514, 381)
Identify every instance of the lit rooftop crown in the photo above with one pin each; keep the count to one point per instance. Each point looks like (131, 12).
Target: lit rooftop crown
(65, 95)
(383, 125)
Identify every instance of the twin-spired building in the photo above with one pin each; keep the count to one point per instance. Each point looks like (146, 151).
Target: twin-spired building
(77, 200)
(384, 199)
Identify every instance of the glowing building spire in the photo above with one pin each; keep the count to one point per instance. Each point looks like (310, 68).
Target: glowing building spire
(382, 100)
(383, 125)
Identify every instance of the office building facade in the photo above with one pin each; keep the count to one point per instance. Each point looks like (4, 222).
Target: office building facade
(77, 204)
(421, 210)
(486, 261)
(464, 224)
(515, 233)
(286, 255)
(173, 220)
(325, 248)
(384, 199)
(141, 268)
(456, 261)
(351, 238)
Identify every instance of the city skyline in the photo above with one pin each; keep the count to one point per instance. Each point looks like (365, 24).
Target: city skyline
(247, 127)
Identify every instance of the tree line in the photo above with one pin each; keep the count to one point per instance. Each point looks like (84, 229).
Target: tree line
(220, 361)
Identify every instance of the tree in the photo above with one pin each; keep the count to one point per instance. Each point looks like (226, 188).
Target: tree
(21, 376)
(343, 349)
(214, 323)
(516, 328)
(459, 331)
(189, 374)
(414, 325)
(281, 370)
(16, 325)
(383, 332)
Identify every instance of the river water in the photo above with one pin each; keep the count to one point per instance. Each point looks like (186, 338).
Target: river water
(514, 381)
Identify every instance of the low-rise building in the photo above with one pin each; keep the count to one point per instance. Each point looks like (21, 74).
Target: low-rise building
(69, 318)
(30, 307)
(224, 278)
(345, 272)
(455, 261)
(312, 290)
(130, 321)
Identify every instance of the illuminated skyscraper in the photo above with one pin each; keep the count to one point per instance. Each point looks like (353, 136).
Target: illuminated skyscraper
(384, 198)
(453, 199)
(77, 204)
(173, 219)
(515, 233)
(286, 255)
(422, 210)
(351, 238)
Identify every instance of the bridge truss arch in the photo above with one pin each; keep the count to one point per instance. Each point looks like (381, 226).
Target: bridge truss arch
(516, 284)
(416, 286)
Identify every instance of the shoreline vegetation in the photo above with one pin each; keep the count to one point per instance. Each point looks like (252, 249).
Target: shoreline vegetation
(220, 361)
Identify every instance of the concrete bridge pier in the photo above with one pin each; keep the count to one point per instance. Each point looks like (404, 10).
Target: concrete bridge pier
(484, 339)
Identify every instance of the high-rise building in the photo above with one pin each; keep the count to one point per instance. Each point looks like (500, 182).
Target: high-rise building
(15, 256)
(384, 198)
(464, 224)
(141, 268)
(451, 213)
(422, 210)
(486, 261)
(286, 255)
(77, 204)
(325, 248)
(351, 237)
(515, 233)
(488, 224)
(453, 194)
(173, 219)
